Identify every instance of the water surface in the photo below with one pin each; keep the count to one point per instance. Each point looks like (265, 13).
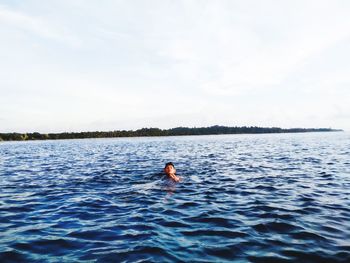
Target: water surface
(257, 198)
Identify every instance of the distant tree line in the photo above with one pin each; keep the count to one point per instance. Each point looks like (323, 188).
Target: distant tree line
(155, 132)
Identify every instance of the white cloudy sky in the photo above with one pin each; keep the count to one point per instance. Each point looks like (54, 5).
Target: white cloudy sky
(74, 65)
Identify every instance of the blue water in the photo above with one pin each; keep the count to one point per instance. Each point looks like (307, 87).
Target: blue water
(255, 198)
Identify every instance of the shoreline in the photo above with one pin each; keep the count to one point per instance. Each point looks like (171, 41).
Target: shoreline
(156, 132)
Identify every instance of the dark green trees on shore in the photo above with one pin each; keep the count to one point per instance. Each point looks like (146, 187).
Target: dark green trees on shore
(154, 132)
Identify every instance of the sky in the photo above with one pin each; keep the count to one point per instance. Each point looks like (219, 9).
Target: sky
(74, 65)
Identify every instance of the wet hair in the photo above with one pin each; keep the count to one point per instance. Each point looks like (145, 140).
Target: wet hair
(169, 163)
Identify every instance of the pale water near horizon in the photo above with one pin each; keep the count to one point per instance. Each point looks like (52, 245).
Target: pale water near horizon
(255, 198)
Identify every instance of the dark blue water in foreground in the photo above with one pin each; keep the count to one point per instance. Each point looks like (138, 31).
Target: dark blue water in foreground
(258, 198)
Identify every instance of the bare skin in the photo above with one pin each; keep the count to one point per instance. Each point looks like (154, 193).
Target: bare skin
(170, 171)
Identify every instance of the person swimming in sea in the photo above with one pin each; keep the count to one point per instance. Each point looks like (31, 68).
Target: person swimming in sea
(170, 171)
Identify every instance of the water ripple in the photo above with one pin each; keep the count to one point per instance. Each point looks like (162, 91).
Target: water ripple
(254, 198)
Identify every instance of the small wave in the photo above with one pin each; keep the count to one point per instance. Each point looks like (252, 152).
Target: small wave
(227, 253)
(278, 227)
(246, 198)
(304, 235)
(13, 256)
(44, 246)
(213, 221)
(219, 233)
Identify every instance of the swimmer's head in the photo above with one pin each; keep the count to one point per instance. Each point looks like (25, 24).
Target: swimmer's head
(169, 163)
(169, 168)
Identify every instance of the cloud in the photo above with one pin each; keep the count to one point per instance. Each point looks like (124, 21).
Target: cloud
(36, 25)
(121, 64)
(274, 61)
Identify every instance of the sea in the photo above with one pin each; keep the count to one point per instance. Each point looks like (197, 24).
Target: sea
(242, 198)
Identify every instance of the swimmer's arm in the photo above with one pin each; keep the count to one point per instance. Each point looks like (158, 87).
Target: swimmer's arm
(175, 178)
